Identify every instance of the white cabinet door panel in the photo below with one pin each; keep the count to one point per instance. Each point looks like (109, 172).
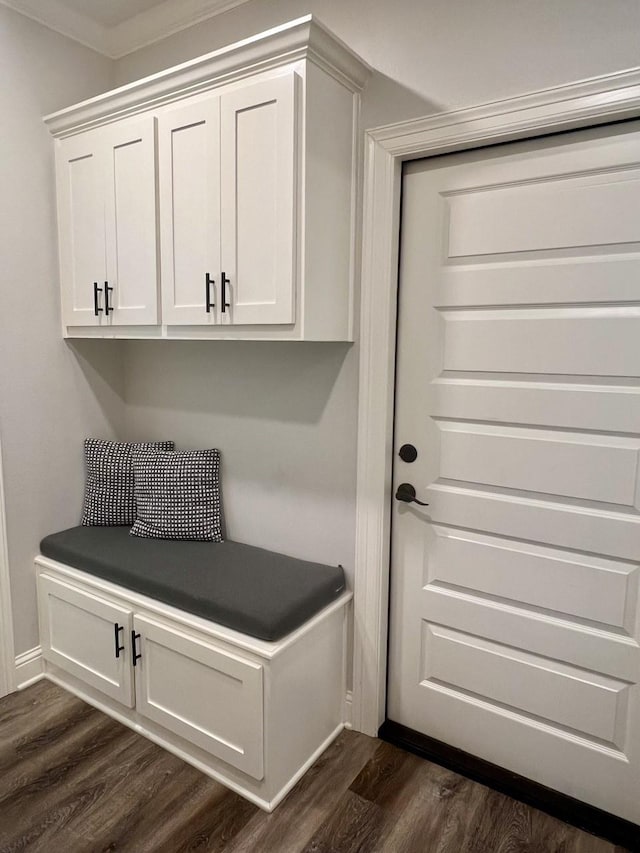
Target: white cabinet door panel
(515, 608)
(258, 162)
(131, 222)
(189, 176)
(79, 635)
(81, 225)
(208, 696)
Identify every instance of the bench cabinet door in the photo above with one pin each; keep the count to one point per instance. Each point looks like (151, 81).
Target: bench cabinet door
(79, 631)
(201, 692)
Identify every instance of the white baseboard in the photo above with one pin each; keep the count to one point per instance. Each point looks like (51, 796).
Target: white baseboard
(348, 710)
(29, 668)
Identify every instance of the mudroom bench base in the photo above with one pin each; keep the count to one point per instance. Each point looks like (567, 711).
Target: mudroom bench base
(252, 714)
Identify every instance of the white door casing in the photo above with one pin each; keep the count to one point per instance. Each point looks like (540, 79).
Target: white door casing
(514, 595)
(603, 99)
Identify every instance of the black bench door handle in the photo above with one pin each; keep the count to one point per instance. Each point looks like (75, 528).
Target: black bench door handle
(116, 630)
(135, 655)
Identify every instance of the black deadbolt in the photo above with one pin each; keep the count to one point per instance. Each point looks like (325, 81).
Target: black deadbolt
(408, 453)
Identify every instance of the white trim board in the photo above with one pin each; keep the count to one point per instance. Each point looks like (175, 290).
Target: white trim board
(29, 668)
(162, 20)
(610, 98)
(7, 662)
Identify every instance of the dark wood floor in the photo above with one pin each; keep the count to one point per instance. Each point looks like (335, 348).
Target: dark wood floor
(74, 781)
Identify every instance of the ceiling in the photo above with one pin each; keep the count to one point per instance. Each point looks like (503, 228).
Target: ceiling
(118, 27)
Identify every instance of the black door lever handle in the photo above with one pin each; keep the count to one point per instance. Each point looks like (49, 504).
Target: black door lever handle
(407, 494)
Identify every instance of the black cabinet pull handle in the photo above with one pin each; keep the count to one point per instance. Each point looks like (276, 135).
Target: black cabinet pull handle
(407, 493)
(135, 655)
(107, 308)
(116, 630)
(208, 281)
(97, 310)
(225, 281)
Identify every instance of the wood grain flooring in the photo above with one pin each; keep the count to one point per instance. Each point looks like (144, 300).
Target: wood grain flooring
(74, 781)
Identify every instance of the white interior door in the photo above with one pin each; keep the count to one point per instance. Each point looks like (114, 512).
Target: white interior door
(514, 601)
(189, 177)
(258, 160)
(130, 200)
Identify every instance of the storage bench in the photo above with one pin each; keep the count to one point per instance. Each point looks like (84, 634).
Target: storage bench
(230, 656)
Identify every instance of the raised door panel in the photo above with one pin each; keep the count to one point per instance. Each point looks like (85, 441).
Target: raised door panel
(189, 179)
(130, 200)
(208, 696)
(78, 634)
(81, 227)
(258, 161)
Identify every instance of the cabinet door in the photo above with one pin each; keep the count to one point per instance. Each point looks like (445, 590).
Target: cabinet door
(81, 228)
(189, 178)
(258, 168)
(131, 221)
(78, 634)
(202, 693)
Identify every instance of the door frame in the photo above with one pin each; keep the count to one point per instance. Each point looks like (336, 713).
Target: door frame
(599, 100)
(7, 650)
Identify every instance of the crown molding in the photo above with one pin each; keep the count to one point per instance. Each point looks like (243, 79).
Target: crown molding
(138, 31)
(302, 39)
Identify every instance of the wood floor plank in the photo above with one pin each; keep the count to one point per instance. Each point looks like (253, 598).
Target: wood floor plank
(431, 811)
(74, 781)
(313, 799)
(354, 827)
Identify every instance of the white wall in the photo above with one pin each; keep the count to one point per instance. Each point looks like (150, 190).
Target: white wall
(51, 396)
(436, 54)
(285, 415)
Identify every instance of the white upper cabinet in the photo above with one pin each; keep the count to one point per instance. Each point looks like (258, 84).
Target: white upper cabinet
(256, 175)
(258, 204)
(189, 172)
(107, 225)
(81, 223)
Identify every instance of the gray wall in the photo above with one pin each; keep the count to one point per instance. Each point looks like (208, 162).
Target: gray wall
(284, 415)
(50, 395)
(436, 54)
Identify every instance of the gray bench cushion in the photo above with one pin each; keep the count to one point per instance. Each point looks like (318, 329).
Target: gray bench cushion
(251, 590)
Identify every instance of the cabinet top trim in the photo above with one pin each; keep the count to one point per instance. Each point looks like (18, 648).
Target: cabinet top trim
(303, 38)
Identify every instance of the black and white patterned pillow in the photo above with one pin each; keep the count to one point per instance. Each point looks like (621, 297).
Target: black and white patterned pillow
(178, 494)
(109, 491)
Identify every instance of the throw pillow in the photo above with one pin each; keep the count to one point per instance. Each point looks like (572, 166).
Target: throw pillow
(178, 494)
(109, 492)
